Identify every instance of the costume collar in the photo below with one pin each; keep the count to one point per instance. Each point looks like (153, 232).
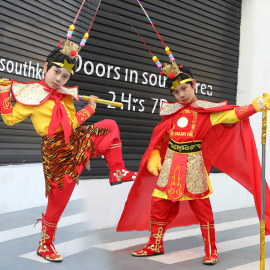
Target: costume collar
(170, 108)
(72, 91)
(37, 92)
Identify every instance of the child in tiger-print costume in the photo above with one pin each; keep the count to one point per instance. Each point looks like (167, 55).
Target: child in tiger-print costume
(66, 146)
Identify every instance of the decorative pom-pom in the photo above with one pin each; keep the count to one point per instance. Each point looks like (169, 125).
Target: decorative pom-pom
(68, 35)
(73, 53)
(172, 59)
(167, 49)
(159, 65)
(162, 73)
(83, 40)
(170, 55)
(58, 46)
(72, 27)
(154, 58)
(86, 35)
(61, 42)
(70, 32)
(181, 66)
(171, 75)
(82, 44)
(169, 52)
(157, 62)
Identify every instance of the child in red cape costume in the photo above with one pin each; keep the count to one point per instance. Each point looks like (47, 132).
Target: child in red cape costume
(234, 153)
(230, 149)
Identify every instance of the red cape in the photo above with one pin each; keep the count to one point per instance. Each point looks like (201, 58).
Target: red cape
(231, 150)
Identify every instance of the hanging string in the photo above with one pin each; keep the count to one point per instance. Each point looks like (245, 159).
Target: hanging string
(72, 27)
(130, 25)
(86, 35)
(78, 12)
(152, 23)
(94, 17)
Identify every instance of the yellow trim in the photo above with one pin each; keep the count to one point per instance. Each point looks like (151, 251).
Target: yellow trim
(210, 249)
(4, 91)
(92, 107)
(65, 65)
(185, 142)
(185, 153)
(179, 82)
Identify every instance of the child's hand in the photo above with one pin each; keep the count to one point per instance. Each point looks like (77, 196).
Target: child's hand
(260, 101)
(4, 87)
(92, 103)
(154, 162)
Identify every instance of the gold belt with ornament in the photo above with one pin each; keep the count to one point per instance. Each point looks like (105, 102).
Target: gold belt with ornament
(185, 147)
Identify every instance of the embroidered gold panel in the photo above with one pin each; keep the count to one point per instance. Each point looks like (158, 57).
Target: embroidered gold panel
(29, 94)
(196, 179)
(165, 169)
(169, 108)
(206, 104)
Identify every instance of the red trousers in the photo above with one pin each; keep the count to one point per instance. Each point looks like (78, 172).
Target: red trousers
(57, 199)
(165, 210)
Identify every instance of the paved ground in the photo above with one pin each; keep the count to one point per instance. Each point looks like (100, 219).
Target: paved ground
(237, 241)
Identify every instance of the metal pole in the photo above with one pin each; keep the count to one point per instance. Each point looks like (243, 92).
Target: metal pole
(262, 227)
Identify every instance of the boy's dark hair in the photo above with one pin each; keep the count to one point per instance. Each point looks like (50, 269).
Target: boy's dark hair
(57, 56)
(184, 69)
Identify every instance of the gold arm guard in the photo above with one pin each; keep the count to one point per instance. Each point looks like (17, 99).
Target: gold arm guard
(4, 82)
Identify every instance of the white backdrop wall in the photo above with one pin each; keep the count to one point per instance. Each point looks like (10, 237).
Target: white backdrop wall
(23, 185)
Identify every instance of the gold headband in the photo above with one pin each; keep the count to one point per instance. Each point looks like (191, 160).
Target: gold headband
(179, 82)
(66, 65)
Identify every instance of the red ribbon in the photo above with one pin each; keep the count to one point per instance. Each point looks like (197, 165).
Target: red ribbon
(59, 115)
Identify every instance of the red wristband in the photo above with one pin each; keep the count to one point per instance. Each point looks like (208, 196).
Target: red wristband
(244, 112)
(84, 114)
(5, 106)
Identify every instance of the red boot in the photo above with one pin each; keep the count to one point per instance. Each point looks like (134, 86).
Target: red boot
(117, 171)
(209, 239)
(46, 248)
(155, 243)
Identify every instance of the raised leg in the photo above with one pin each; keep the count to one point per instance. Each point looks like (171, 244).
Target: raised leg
(110, 146)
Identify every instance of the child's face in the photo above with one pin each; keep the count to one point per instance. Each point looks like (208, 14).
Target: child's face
(185, 92)
(56, 77)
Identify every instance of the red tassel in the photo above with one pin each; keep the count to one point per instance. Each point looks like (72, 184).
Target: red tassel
(171, 75)
(181, 66)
